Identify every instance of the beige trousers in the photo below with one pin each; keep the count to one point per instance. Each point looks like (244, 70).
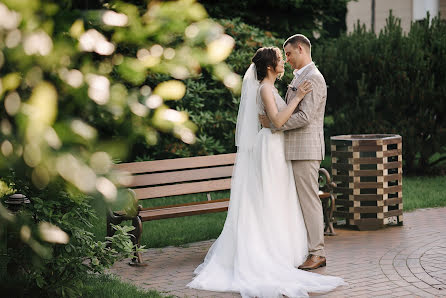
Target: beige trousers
(306, 174)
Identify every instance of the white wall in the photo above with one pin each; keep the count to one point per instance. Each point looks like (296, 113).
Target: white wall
(362, 10)
(406, 10)
(421, 7)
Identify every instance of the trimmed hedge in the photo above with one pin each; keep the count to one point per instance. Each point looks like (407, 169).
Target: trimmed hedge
(390, 83)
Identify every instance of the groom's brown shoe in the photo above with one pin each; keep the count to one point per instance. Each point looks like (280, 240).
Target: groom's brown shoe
(313, 262)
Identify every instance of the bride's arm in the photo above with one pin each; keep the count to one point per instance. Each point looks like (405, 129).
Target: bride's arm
(278, 118)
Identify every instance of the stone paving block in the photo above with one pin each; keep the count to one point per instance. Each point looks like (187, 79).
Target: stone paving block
(395, 277)
(411, 279)
(401, 283)
(417, 270)
(413, 262)
(422, 275)
(401, 293)
(421, 285)
(388, 261)
(435, 292)
(381, 293)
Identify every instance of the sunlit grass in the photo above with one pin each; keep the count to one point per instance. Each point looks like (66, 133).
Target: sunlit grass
(107, 286)
(423, 192)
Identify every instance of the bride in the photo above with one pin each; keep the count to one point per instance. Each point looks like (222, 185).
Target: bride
(264, 237)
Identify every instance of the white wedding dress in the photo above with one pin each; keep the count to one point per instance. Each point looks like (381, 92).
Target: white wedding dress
(264, 237)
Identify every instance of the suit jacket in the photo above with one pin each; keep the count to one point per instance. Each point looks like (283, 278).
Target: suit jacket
(304, 131)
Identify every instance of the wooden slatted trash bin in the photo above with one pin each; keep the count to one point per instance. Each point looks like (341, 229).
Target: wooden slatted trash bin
(367, 170)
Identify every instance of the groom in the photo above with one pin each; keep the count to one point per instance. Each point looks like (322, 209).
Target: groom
(304, 142)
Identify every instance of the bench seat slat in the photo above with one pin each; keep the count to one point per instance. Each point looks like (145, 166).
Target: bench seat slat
(324, 195)
(177, 163)
(181, 176)
(182, 189)
(185, 204)
(184, 210)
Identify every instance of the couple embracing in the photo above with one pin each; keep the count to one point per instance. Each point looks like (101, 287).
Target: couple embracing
(274, 230)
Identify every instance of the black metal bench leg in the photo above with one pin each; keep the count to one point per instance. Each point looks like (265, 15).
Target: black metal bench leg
(137, 232)
(112, 219)
(328, 206)
(330, 217)
(325, 207)
(110, 230)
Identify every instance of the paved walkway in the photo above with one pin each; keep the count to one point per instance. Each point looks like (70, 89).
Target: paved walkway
(406, 261)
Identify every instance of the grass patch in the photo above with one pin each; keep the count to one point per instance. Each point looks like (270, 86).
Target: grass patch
(418, 192)
(108, 286)
(423, 192)
(173, 231)
(178, 231)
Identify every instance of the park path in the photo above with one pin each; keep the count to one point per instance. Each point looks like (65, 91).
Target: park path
(399, 261)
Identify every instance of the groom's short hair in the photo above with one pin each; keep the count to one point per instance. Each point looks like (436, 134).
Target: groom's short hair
(296, 39)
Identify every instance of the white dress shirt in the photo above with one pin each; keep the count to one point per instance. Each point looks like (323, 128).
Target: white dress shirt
(297, 72)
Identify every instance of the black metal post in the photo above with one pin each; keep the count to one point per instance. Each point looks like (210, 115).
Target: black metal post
(14, 203)
(373, 16)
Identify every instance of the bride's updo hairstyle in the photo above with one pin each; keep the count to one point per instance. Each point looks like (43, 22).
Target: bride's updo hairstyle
(263, 58)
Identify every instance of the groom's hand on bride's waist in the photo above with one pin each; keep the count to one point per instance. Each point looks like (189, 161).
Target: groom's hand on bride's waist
(264, 120)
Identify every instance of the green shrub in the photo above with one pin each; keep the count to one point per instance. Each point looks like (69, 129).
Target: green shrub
(47, 263)
(284, 18)
(211, 106)
(390, 83)
(386, 83)
(72, 84)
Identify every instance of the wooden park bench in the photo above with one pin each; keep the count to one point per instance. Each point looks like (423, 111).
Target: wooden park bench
(181, 176)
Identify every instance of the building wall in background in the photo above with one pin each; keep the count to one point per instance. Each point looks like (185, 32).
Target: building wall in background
(406, 10)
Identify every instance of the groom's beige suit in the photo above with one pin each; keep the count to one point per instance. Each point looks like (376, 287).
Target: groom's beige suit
(304, 146)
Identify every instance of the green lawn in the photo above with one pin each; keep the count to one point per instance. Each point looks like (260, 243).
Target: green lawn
(176, 231)
(418, 192)
(107, 286)
(424, 192)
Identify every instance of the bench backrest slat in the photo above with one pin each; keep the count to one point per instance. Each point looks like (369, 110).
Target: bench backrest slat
(181, 176)
(177, 163)
(182, 188)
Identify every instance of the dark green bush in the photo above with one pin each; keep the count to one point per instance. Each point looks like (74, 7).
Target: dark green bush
(211, 106)
(72, 84)
(38, 268)
(285, 17)
(390, 83)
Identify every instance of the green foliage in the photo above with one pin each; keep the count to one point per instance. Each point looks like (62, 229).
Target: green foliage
(50, 264)
(73, 85)
(390, 83)
(78, 94)
(210, 106)
(319, 18)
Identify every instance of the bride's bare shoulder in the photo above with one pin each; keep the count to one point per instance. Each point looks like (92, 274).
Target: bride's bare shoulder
(266, 88)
